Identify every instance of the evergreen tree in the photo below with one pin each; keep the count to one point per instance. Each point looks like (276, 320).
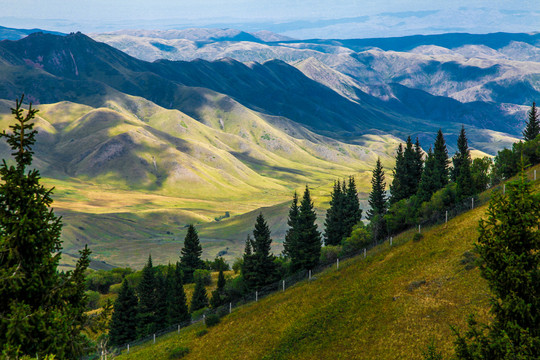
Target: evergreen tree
(264, 267)
(429, 183)
(377, 196)
(440, 153)
(411, 176)
(199, 299)
(217, 295)
(532, 129)
(248, 264)
(418, 167)
(353, 213)
(161, 307)
(289, 244)
(309, 238)
(41, 311)
(397, 189)
(335, 216)
(178, 311)
(147, 301)
(124, 318)
(461, 172)
(509, 244)
(190, 257)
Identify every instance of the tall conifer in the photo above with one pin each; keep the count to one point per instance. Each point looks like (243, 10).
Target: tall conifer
(200, 298)
(190, 257)
(309, 238)
(532, 128)
(429, 183)
(377, 196)
(440, 153)
(353, 213)
(178, 311)
(397, 189)
(147, 301)
(123, 327)
(259, 268)
(461, 172)
(335, 216)
(289, 245)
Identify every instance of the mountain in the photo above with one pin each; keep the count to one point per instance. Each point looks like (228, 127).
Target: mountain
(137, 150)
(16, 34)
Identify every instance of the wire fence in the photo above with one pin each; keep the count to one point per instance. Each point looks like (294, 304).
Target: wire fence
(436, 218)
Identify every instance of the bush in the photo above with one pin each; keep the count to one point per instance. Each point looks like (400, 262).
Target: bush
(237, 265)
(204, 275)
(201, 333)
(93, 299)
(417, 237)
(283, 266)
(115, 288)
(196, 315)
(212, 320)
(360, 238)
(330, 253)
(218, 264)
(178, 353)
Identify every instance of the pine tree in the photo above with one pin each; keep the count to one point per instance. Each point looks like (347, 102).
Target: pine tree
(124, 318)
(264, 267)
(335, 216)
(411, 175)
(147, 301)
(377, 196)
(429, 182)
(397, 190)
(309, 238)
(509, 244)
(248, 265)
(532, 129)
(41, 311)
(178, 311)
(461, 173)
(353, 213)
(190, 257)
(161, 307)
(217, 295)
(199, 299)
(289, 244)
(440, 153)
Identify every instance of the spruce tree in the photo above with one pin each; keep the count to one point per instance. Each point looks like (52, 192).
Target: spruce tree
(418, 167)
(532, 128)
(199, 299)
(353, 213)
(440, 153)
(289, 244)
(217, 295)
(429, 182)
(411, 176)
(397, 190)
(161, 307)
(124, 318)
(509, 244)
(178, 311)
(41, 311)
(190, 257)
(335, 216)
(377, 196)
(248, 265)
(264, 267)
(309, 238)
(146, 292)
(461, 172)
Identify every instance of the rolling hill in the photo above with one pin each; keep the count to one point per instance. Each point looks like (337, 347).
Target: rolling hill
(388, 306)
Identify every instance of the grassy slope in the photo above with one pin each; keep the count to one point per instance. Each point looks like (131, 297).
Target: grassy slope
(366, 310)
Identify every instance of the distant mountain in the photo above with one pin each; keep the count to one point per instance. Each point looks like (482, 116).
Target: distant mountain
(16, 34)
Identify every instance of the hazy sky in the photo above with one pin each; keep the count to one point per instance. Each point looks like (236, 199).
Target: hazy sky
(107, 15)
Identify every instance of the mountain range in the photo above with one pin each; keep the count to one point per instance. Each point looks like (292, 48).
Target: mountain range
(184, 139)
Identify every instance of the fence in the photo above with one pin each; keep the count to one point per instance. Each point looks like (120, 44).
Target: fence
(436, 218)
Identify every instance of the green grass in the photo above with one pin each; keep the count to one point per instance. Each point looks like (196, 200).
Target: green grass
(388, 306)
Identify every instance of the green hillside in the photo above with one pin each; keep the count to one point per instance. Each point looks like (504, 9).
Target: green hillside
(387, 306)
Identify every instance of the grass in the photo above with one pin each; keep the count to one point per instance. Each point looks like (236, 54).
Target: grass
(388, 306)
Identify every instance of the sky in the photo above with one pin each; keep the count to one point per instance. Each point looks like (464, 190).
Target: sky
(319, 18)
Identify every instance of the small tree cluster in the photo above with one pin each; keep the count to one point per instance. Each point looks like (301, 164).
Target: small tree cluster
(344, 212)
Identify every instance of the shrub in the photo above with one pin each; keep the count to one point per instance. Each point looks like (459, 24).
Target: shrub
(330, 253)
(204, 275)
(178, 353)
(417, 237)
(201, 333)
(212, 320)
(237, 265)
(93, 299)
(360, 238)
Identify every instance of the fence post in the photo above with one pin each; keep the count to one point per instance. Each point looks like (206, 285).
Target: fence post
(309, 274)
(179, 328)
(256, 296)
(337, 263)
(504, 189)
(283, 285)
(230, 308)
(364, 253)
(535, 175)
(419, 228)
(391, 238)
(472, 203)
(446, 217)
(128, 349)
(155, 337)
